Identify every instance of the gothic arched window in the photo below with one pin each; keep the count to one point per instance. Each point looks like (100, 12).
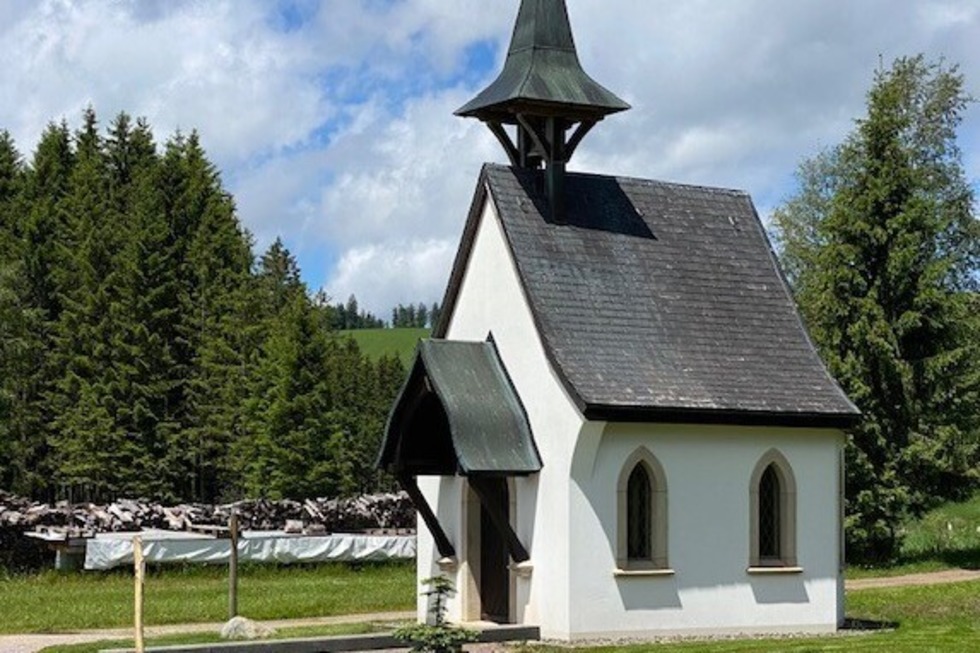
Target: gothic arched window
(773, 519)
(639, 515)
(769, 500)
(642, 527)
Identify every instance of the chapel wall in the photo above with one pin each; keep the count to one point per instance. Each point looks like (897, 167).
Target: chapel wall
(708, 470)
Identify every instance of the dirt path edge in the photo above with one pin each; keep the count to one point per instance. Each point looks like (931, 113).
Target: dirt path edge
(930, 578)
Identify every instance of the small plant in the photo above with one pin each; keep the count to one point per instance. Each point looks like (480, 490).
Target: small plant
(439, 636)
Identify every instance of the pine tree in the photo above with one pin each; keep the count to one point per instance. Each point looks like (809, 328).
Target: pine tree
(147, 303)
(11, 181)
(882, 249)
(218, 273)
(46, 185)
(278, 278)
(14, 331)
(297, 447)
(31, 221)
(95, 455)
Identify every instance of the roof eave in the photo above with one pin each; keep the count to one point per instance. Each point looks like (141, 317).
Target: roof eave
(672, 415)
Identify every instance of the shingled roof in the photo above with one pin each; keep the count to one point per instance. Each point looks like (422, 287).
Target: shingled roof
(458, 411)
(658, 302)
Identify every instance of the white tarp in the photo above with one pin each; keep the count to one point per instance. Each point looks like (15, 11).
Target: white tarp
(253, 546)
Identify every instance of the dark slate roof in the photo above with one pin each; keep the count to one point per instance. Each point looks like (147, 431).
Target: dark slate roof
(488, 426)
(659, 302)
(542, 68)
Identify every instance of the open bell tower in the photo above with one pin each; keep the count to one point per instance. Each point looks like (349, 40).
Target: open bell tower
(544, 97)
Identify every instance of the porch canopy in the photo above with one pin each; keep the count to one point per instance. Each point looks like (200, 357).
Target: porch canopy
(458, 413)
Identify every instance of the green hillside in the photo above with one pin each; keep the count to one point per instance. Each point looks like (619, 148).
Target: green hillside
(378, 342)
(950, 531)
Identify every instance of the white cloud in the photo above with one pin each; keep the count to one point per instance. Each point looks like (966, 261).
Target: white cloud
(338, 133)
(211, 66)
(405, 175)
(402, 272)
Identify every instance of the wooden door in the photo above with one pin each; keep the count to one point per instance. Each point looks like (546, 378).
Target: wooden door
(494, 575)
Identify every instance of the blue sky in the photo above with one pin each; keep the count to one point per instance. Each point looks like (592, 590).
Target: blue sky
(332, 123)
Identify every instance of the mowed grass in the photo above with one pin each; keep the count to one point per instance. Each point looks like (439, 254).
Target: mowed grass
(58, 602)
(210, 638)
(940, 618)
(376, 343)
(937, 618)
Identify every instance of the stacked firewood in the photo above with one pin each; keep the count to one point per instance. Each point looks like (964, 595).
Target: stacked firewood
(375, 511)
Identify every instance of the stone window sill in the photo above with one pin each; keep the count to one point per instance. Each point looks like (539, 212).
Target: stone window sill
(629, 573)
(774, 570)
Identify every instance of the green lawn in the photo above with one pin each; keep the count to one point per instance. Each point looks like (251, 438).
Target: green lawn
(378, 342)
(58, 602)
(209, 638)
(940, 618)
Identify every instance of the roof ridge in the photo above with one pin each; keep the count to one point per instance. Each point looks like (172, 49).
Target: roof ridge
(638, 180)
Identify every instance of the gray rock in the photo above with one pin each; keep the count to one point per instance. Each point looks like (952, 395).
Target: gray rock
(242, 628)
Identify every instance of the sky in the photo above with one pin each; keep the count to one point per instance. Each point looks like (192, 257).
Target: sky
(332, 121)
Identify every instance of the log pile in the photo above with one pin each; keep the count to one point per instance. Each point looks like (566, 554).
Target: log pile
(375, 511)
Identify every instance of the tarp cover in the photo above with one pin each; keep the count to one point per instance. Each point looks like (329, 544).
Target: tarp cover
(254, 546)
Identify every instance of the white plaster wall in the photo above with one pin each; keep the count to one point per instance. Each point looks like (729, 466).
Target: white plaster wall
(445, 498)
(491, 300)
(708, 471)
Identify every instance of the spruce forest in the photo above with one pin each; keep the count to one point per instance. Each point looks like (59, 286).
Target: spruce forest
(146, 351)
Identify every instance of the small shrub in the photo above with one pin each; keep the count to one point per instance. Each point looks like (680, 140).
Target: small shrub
(439, 636)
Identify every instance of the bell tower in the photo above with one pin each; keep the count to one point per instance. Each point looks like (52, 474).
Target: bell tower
(543, 104)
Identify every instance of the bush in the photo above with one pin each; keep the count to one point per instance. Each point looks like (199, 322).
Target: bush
(439, 636)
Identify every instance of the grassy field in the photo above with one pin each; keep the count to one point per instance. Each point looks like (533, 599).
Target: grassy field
(950, 533)
(57, 602)
(948, 536)
(377, 342)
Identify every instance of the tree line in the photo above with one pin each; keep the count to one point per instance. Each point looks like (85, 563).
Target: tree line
(345, 317)
(145, 350)
(415, 316)
(349, 316)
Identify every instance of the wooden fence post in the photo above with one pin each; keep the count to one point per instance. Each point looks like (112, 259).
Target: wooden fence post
(233, 567)
(139, 565)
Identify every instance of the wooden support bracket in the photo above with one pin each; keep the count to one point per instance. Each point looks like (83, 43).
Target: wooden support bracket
(411, 487)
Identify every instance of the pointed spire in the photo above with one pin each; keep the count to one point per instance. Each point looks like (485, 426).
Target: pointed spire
(545, 93)
(543, 73)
